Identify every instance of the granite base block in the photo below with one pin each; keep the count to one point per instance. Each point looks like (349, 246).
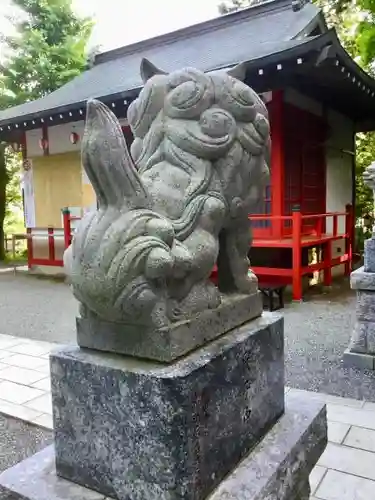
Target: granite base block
(140, 430)
(359, 360)
(361, 351)
(365, 306)
(369, 255)
(277, 469)
(363, 337)
(168, 344)
(362, 280)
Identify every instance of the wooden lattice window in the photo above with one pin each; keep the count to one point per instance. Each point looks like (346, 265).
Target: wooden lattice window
(305, 164)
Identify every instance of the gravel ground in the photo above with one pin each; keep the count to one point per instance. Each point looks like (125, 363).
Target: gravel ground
(19, 440)
(36, 308)
(317, 332)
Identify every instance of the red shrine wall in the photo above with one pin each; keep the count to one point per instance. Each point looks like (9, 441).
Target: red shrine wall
(304, 161)
(325, 168)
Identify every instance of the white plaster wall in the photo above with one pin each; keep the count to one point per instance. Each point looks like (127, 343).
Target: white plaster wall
(301, 101)
(339, 182)
(339, 164)
(58, 138)
(32, 142)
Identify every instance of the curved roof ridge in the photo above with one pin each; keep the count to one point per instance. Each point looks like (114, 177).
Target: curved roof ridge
(251, 12)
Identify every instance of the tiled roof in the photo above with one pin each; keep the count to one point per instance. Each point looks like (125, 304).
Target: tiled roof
(221, 42)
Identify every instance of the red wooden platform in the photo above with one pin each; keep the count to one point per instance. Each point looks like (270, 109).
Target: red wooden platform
(305, 231)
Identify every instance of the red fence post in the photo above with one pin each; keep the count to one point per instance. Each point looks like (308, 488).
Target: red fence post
(29, 247)
(335, 225)
(51, 244)
(67, 227)
(319, 227)
(349, 236)
(297, 253)
(327, 271)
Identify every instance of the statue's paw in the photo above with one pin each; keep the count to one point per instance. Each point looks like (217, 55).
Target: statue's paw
(183, 261)
(213, 295)
(202, 296)
(236, 207)
(175, 313)
(159, 264)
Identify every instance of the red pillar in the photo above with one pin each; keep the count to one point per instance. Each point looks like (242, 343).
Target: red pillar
(30, 254)
(327, 255)
(297, 254)
(277, 161)
(67, 227)
(349, 238)
(45, 138)
(51, 244)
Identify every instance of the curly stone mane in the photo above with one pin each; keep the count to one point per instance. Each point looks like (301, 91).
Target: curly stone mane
(210, 128)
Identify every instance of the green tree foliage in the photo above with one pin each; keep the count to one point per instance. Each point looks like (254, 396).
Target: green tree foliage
(234, 5)
(354, 21)
(364, 155)
(47, 50)
(362, 27)
(10, 196)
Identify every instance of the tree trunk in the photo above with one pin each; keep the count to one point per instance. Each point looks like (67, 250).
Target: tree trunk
(3, 185)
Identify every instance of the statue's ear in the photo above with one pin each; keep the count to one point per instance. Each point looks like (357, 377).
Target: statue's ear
(238, 72)
(148, 70)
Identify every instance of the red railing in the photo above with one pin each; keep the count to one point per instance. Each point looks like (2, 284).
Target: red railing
(43, 247)
(319, 234)
(46, 246)
(59, 239)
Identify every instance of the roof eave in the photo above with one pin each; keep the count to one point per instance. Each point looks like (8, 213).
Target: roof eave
(318, 43)
(318, 22)
(328, 40)
(45, 114)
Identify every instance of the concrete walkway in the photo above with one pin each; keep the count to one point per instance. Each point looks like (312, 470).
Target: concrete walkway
(345, 471)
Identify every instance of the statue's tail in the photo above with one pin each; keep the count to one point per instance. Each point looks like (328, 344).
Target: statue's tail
(107, 161)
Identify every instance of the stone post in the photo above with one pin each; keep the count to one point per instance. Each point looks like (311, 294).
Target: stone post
(361, 350)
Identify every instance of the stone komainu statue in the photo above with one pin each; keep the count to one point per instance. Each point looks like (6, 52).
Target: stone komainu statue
(176, 205)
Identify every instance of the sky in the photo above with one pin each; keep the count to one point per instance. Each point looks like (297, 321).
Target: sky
(120, 22)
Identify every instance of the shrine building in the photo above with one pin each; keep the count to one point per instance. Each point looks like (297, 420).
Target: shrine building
(318, 99)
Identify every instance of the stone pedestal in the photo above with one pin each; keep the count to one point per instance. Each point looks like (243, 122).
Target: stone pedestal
(369, 256)
(361, 351)
(209, 426)
(277, 468)
(178, 429)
